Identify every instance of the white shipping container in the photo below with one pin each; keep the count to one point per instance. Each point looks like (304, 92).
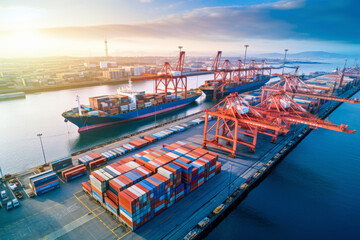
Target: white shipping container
(165, 173)
(93, 113)
(124, 107)
(147, 104)
(176, 73)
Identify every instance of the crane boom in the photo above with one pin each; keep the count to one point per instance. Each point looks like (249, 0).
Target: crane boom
(323, 96)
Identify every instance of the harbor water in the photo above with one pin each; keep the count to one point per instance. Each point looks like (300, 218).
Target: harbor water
(41, 113)
(314, 193)
(22, 119)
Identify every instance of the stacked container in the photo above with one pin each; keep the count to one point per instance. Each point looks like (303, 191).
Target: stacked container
(44, 182)
(89, 158)
(86, 186)
(142, 186)
(74, 172)
(138, 143)
(97, 163)
(60, 164)
(99, 180)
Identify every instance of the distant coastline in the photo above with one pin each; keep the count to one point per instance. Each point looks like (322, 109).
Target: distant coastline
(77, 85)
(307, 62)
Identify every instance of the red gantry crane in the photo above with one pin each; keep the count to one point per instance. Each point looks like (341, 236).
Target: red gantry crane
(273, 116)
(227, 75)
(282, 109)
(233, 117)
(294, 86)
(167, 79)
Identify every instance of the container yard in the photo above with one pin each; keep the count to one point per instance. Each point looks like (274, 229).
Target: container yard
(174, 181)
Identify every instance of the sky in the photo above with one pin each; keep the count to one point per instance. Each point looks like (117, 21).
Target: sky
(40, 28)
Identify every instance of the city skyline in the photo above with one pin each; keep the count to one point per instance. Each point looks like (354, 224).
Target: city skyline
(155, 27)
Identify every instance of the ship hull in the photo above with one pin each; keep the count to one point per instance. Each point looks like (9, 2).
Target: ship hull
(86, 123)
(239, 89)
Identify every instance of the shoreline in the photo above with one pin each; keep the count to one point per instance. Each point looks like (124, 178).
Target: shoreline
(79, 85)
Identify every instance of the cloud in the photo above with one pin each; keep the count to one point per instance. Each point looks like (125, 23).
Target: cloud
(322, 20)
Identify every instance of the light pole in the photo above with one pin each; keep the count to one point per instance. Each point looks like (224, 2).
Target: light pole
(42, 147)
(180, 47)
(286, 50)
(246, 47)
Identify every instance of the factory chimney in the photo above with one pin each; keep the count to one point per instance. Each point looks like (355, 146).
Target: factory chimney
(106, 49)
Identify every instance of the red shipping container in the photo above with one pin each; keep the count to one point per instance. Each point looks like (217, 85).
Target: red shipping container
(126, 180)
(87, 186)
(190, 147)
(71, 169)
(185, 160)
(150, 138)
(126, 201)
(147, 191)
(97, 163)
(98, 176)
(74, 172)
(169, 147)
(140, 161)
(218, 167)
(95, 155)
(112, 196)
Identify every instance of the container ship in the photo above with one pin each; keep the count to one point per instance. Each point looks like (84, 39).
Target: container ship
(125, 106)
(240, 87)
(239, 78)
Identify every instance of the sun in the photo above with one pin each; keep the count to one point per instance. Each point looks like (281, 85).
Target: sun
(27, 41)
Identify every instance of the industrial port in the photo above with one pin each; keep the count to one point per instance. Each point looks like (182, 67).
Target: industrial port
(181, 120)
(179, 179)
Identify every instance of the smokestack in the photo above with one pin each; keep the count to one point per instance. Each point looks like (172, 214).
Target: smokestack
(106, 49)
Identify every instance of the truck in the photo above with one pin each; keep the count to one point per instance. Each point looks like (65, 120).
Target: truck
(9, 205)
(204, 222)
(15, 203)
(3, 194)
(219, 209)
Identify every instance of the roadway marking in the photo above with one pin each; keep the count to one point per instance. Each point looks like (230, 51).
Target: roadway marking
(144, 234)
(70, 226)
(61, 180)
(27, 194)
(116, 227)
(98, 218)
(166, 218)
(219, 179)
(78, 191)
(186, 204)
(37, 213)
(84, 195)
(97, 208)
(124, 235)
(200, 193)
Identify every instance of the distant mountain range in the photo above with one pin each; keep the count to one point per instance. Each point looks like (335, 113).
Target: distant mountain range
(307, 54)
